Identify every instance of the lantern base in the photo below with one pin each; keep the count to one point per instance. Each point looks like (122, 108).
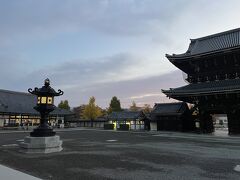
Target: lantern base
(43, 131)
(41, 144)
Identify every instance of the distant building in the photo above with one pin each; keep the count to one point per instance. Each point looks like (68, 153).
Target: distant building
(96, 123)
(135, 120)
(171, 117)
(16, 108)
(220, 120)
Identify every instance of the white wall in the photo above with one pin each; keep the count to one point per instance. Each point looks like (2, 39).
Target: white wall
(153, 126)
(1, 122)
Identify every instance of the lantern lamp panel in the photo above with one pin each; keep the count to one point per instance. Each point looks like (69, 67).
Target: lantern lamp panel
(39, 100)
(50, 100)
(43, 100)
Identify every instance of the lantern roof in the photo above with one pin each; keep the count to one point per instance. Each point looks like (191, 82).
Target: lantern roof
(45, 90)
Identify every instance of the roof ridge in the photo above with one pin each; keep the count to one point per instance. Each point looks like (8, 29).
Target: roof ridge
(216, 34)
(14, 92)
(170, 103)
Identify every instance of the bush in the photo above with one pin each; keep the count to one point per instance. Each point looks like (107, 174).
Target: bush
(109, 126)
(124, 127)
(12, 125)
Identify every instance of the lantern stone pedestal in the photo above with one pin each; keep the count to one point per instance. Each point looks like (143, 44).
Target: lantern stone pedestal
(41, 144)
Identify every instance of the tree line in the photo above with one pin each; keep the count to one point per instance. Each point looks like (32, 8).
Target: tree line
(92, 111)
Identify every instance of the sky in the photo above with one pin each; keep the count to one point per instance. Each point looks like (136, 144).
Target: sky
(104, 48)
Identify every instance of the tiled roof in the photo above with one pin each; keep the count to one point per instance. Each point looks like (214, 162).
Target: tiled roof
(123, 115)
(213, 43)
(22, 103)
(169, 108)
(87, 120)
(216, 87)
(59, 111)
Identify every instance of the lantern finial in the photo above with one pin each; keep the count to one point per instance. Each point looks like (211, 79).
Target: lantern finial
(47, 82)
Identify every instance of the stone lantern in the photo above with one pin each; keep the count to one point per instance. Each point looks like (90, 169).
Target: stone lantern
(43, 139)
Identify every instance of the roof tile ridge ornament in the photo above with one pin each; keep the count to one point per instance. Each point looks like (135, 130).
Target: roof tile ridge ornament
(192, 46)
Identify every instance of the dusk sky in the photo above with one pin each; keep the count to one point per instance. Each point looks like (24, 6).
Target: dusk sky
(104, 48)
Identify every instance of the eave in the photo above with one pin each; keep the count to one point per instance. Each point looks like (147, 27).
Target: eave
(206, 88)
(187, 57)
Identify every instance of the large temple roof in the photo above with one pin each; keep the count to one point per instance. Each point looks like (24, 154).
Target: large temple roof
(22, 103)
(211, 44)
(205, 88)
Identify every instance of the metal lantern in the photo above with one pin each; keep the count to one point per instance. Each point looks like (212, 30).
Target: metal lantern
(45, 105)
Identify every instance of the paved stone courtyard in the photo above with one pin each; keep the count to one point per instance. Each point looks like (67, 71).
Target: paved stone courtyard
(99, 154)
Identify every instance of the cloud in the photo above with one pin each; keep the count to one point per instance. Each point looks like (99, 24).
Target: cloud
(142, 90)
(12, 69)
(74, 73)
(87, 72)
(146, 96)
(31, 20)
(79, 86)
(103, 47)
(91, 71)
(27, 20)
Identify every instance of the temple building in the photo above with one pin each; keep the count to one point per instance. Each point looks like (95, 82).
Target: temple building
(16, 108)
(171, 117)
(133, 120)
(212, 65)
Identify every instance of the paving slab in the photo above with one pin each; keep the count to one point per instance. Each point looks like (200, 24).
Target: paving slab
(99, 154)
(11, 174)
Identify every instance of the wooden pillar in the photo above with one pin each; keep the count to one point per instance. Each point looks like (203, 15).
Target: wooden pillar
(233, 121)
(21, 119)
(91, 122)
(206, 122)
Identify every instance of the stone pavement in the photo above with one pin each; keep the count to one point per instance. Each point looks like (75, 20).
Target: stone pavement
(11, 174)
(99, 154)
